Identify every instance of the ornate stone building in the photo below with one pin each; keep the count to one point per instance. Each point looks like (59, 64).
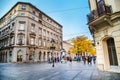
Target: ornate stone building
(104, 24)
(28, 34)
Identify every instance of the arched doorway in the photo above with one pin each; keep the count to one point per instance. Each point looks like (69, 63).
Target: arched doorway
(31, 56)
(19, 56)
(112, 52)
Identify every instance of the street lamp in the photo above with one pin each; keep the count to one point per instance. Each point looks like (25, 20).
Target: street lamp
(62, 52)
(52, 47)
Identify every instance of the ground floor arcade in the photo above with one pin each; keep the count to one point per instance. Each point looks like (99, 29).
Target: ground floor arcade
(23, 54)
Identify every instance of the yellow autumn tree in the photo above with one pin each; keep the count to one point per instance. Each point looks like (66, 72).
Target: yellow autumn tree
(82, 45)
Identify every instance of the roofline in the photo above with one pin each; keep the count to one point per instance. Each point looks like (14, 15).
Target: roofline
(33, 7)
(67, 42)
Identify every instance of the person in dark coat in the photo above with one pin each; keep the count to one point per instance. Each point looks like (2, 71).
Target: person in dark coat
(94, 59)
(89, 60)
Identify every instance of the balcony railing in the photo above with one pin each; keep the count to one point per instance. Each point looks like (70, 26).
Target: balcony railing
(98, 13)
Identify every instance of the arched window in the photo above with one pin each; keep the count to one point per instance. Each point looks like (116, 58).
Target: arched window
(20, 39)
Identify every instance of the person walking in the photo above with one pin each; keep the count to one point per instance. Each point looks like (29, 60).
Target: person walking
(94, 59)
(84, 59)
(89, 60)
(53, 61)
(70, 59)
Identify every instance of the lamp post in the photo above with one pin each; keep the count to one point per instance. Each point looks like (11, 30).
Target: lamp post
(52, 47)
(62, 54)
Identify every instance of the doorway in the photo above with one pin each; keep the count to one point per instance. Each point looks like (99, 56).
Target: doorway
(112, 52)
(19, 56)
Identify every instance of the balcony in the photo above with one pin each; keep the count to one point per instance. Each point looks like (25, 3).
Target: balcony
(32, 33)
(103, 10)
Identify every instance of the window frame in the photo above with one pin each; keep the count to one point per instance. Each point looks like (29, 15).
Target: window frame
(22, 26)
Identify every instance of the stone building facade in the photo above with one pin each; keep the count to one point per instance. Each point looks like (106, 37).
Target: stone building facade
(26, 34)
(104, 24)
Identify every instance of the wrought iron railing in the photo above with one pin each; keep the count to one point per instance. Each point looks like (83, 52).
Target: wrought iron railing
(103, 10)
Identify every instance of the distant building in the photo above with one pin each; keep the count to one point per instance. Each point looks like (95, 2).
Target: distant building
(104, 24)
(67, 47)
(26, 34)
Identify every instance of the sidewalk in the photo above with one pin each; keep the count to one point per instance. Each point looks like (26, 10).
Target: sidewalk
(90, 72)
(61, 71)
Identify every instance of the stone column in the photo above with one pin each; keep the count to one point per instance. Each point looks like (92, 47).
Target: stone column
(5, 60)
(8, 56)
(24, 55)
(1, 57)
(36, 55)
(41, 56)
(14, 55)
(117, 45)
(46, 56)
(4, 57)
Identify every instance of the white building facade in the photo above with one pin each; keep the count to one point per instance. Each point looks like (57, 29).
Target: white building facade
(26, 34)
(104, 24)
(67, 46)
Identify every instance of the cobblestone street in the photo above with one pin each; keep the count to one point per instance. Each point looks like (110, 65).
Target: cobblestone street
(61, 71)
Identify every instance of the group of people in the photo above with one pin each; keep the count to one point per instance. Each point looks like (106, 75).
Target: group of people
(59, 59)
(86, 59)
(89, 59)
(55, 59)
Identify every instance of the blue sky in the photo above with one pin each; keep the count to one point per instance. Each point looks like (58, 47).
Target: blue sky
(71, 14)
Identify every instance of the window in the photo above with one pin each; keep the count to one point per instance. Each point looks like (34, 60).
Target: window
(101, 7)
(40, 31)
(32, 41)
(33, 18)
(44, 32)
(23, 7)
(22, 14)
(12, 40)
(14, 11)
(40, 15)
(33, 12)
(47, 33)
(20, 39)
(13, 24)
(22, 26)
(40, 42)
(39, 21)
(32, 27)
(44, 43)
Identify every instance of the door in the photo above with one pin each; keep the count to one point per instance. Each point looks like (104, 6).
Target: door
(19, 56)
(112, 52)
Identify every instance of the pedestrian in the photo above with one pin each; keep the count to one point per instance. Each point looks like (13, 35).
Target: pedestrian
(53, 61)
(58, 59)
(94, 59)
(70, 59)
(79, 58)
(89, 59)
(84, 59)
